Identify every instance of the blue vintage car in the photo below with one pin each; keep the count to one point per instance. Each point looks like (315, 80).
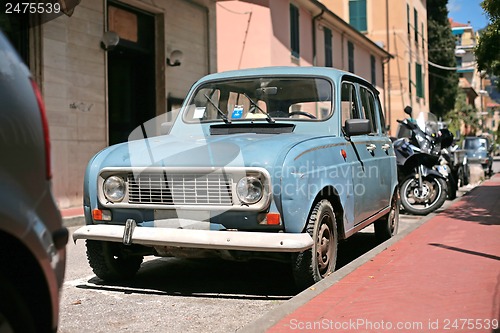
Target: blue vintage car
(277, 163)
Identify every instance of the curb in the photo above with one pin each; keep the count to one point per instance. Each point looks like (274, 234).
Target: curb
(74, 221)
(275, 315)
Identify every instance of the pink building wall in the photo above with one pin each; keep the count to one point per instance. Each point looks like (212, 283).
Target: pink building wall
(265, 39)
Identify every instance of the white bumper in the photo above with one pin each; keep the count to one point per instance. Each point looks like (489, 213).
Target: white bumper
(203, 239)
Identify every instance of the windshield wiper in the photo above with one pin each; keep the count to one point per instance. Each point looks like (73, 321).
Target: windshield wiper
(268, 117)
(224, 117)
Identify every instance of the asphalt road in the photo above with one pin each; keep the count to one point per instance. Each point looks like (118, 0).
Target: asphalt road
(179, 295)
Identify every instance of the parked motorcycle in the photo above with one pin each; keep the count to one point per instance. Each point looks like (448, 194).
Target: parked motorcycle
(422, 188)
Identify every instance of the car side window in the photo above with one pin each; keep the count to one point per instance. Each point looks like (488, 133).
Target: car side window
(349, 105)
(383, 126)
(369, 108)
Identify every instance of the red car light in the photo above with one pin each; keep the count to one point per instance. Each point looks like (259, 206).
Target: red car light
(45, 124)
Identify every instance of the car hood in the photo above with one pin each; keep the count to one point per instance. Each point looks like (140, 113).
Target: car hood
(235, 150)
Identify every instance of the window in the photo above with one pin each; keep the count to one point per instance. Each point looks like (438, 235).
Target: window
(328, 47)
(415, 22)
(369, 108)
(408, 17)
(350, 55)
(381, 115)
(348, 102)
(294, 31)
(459, 61)
(409, 79)
(373, 64)
(357, 14)
(419, 81)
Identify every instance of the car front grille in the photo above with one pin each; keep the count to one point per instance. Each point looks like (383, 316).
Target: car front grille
(180, 189)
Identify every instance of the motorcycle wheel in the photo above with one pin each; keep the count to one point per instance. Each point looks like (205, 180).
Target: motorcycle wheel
(452, 187)
(433, 197)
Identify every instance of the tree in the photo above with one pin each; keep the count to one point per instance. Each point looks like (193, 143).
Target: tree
(488, 49)
(443, 84)
(463, 114)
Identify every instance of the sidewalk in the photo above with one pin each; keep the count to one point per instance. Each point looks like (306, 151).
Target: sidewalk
(442, 277)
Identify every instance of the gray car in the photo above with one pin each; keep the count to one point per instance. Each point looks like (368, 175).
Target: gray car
(32, 237)
(479, 150)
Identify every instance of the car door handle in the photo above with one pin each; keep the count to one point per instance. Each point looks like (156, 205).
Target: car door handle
(386, 146)
(371, 147)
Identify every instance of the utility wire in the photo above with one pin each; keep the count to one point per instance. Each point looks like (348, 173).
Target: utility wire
(448, 68)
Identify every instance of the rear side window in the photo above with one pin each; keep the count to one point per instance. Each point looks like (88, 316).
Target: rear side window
(348, 102)
(369, 108)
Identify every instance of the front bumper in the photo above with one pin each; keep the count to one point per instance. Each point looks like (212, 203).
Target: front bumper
(202, 239)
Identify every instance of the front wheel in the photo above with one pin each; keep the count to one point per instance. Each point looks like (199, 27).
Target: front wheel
(110, 262)
(15, 315)
(423, 200)
(318, 262)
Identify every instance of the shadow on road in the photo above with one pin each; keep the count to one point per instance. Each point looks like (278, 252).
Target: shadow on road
(216, 278)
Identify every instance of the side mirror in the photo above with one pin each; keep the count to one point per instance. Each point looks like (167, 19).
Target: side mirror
(408, 110)
(355, 127)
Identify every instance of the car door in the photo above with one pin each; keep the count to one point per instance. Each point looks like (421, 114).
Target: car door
(380, 160)
(360, 155)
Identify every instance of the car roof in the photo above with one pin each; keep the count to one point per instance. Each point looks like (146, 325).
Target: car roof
(333, 73)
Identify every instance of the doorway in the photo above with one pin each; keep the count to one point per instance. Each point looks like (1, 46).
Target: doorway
(131, 71)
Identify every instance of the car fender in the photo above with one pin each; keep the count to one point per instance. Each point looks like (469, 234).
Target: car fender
(307, 170)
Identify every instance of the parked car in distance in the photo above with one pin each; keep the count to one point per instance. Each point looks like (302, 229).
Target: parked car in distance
(479, 150)
(32, 237)
(275, 163)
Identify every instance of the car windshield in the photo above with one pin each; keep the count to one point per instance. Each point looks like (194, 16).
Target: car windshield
(475, 144)
(261, 99)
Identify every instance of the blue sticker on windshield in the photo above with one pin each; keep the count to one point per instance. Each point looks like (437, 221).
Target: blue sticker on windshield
(237, 112)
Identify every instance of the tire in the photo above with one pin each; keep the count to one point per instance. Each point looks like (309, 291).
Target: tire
(437, 199)
(109, 262)
(15, 315)
(452, 187)
(460, 177)
(387, 227)
(318, 262)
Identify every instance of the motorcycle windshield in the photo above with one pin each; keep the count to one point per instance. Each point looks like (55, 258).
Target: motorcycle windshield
(428, 123)
(403, 132)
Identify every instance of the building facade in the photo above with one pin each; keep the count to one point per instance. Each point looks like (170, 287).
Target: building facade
(473, 82)
(108, 68)
(400, 27)
(257, 33)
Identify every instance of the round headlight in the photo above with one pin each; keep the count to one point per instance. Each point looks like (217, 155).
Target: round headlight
(114, 188)
(249, 190)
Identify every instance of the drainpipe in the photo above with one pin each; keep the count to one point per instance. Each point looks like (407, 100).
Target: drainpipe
(342, 50)
(315, 18)
(388, 99)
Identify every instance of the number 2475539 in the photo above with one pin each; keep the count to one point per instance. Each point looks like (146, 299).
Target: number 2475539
(32, 8)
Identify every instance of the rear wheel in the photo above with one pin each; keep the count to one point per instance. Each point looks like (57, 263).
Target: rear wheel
(110, 262)
(387, 227)
(318, 262)
(452, 187)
